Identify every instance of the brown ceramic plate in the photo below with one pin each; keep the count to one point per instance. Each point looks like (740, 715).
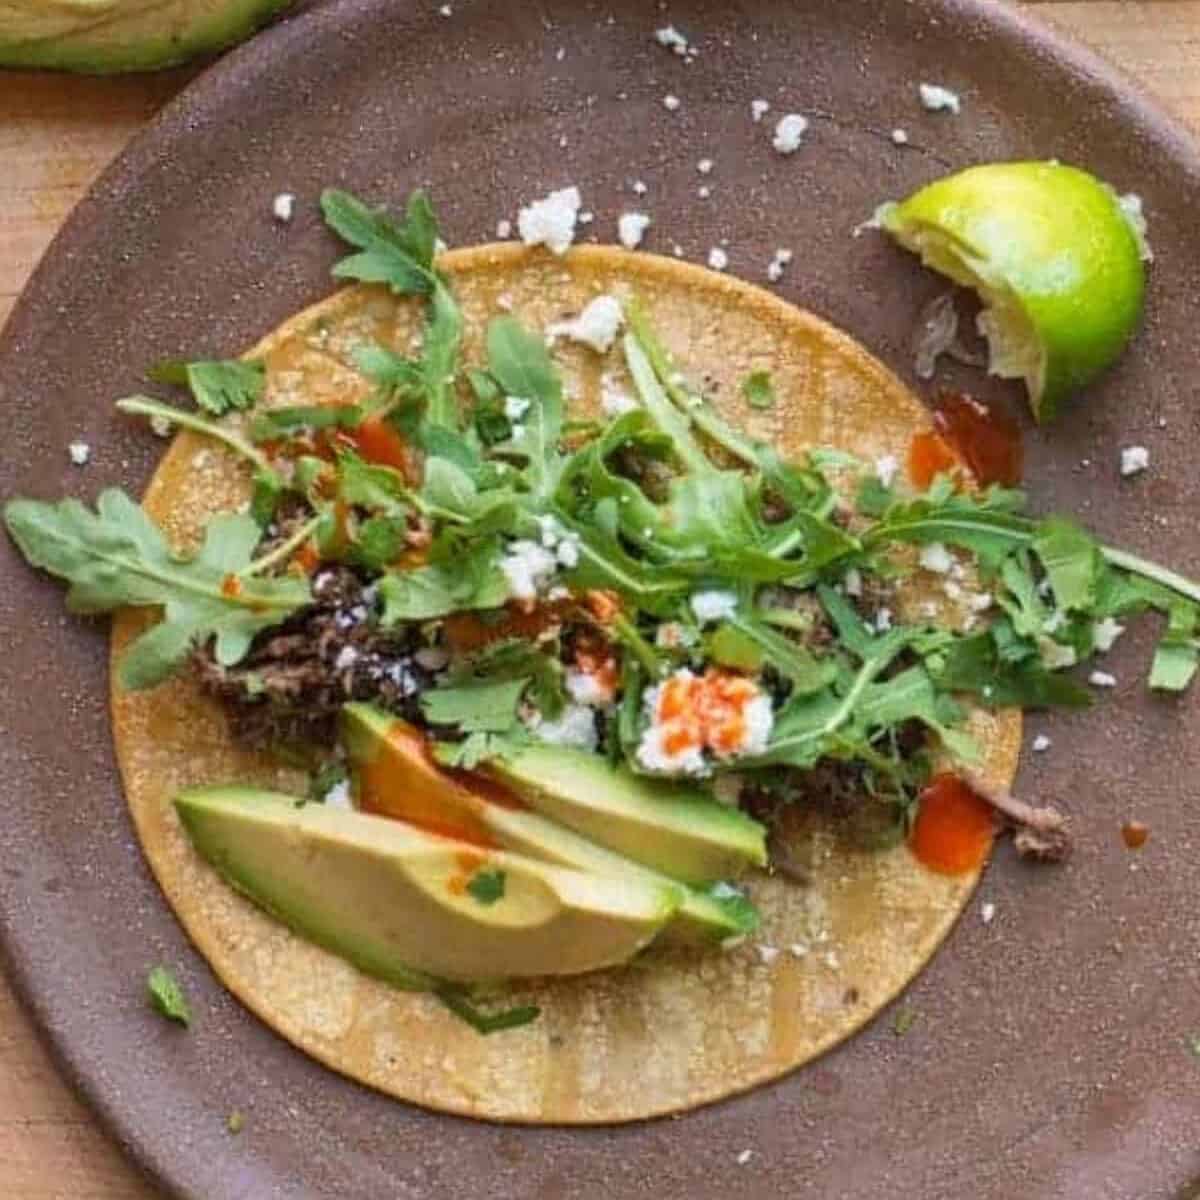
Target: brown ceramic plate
(1049, 1054)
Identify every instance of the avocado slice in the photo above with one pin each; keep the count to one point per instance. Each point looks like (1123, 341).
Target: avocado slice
(413, 908)
(674, 828)
(394, 776)
(107, 36)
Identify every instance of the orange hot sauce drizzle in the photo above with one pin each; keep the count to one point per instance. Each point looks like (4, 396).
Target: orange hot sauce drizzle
(954, 827)
(967, 434)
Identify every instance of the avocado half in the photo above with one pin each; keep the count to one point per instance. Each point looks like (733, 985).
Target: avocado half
(103, 37)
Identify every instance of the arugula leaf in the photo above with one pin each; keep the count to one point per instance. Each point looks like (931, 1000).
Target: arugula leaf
(795, 663)
(758, 390)
(487, 886)
(662, 411)
(985, 524)
(387, 368)
(1071, 560)
(117, 556)
(217, 386)
(166, 995)
(275, 423)
(519, 363)
(976, 665)
(485, 707)
(145, 406)
(1178, 652)
(456, 999)
(400, 256)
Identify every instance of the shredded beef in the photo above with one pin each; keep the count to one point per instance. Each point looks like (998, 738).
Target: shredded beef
(289, 687)
(1041, 834)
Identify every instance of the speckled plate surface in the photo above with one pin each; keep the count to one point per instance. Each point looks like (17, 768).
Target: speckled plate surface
(1049, 1053)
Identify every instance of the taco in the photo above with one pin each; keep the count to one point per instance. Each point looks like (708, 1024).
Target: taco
(643, 653)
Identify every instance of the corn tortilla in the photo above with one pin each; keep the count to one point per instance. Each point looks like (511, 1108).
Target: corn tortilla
(681, 1028)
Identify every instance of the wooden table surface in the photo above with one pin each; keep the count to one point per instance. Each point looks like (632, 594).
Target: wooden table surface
(56, 134)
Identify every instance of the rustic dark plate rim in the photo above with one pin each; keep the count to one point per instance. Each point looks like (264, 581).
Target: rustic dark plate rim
(202, 100)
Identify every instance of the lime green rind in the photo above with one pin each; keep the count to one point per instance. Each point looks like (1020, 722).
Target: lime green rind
(117, 46)
(1050, 239)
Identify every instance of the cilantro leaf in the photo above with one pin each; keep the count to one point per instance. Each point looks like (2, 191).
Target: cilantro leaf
(476, 748)
(166, 995)
(217, 386)
(487, 886)
(472, 582)
(515, 658)
(758, 390)
(117, 556)
(475, 708)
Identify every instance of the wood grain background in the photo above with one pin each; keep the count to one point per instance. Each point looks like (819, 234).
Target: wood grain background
(56, 134)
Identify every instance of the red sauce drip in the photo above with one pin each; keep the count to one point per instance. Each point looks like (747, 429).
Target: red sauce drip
(987, 439)
(954, 827)
(466, 632)
(307, 558)
(231, 586)
(1134, 834)
(378, 441)
(930, 455)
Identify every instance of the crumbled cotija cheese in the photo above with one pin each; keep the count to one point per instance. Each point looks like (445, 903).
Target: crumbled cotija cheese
(527, 567)
(550, 222)
(713, 606)
(597, 326)
(575, 727)
(886, 467)
(515, 407)
(758, 110)
(631, 228)
(900, 137)
(789, 132)
(614, 399)
(1134, 459)
(937, 99)
(673, 40)
(1041, 743)
(338, 796)
(79, 452)
(503, 228)
(283, 207)
(1102, 679)
(935, 557)
(718, 259)
(671, 103)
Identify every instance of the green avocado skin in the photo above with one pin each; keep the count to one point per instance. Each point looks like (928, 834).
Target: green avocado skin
(139, 43)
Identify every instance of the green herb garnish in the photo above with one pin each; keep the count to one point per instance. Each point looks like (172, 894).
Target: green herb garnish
(758, 390)
(487, 886)
(167, 996)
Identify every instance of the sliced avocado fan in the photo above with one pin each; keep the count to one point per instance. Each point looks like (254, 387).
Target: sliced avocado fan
(394, 776)
(412, 908)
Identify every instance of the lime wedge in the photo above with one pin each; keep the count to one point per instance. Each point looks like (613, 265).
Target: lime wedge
(1055, 255)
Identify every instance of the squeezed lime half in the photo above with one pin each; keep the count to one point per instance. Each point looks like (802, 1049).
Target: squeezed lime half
(1057, 257)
